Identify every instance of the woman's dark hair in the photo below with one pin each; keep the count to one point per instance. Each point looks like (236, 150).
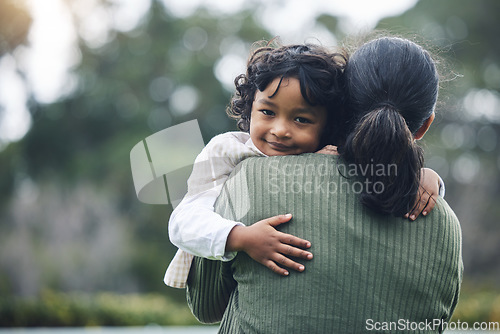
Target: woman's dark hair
(391, 90)
(318, 71)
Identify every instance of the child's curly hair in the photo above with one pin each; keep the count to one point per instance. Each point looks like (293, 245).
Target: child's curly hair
(318, 70)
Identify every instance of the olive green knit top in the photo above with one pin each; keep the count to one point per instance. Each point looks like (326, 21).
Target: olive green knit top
(370, 272)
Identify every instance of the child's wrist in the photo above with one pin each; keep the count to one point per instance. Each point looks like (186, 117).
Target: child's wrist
(235, 240)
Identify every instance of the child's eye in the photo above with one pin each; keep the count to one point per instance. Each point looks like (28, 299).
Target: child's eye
(302, 120)
(267, 112)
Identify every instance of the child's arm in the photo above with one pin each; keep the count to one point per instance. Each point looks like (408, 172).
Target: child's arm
(211, 236)
(431, 187)
(194, 227)
(263, 243)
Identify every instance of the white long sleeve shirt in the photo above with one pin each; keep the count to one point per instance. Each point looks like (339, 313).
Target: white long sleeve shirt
(194, 227)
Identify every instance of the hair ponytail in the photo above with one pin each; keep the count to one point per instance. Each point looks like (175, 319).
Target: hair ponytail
(382, 152)
(392, 88)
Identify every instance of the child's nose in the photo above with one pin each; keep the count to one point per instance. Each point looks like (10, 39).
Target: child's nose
(280, 129)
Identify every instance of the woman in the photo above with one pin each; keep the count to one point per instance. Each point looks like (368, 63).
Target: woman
(371, 271)
(392, 89)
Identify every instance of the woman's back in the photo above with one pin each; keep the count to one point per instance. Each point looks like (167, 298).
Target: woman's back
(369, 270)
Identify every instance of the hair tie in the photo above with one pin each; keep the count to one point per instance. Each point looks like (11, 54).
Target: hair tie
(386, 104)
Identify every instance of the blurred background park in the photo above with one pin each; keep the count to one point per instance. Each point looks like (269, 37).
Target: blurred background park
(83, 81)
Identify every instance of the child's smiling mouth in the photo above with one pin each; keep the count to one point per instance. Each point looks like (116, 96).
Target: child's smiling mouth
(279, 146)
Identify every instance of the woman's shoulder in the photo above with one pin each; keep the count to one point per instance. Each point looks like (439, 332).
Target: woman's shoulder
(310, 165)
(300, 159)
(443, 210)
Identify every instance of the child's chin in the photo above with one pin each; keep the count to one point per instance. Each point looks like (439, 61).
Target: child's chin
(279, 153)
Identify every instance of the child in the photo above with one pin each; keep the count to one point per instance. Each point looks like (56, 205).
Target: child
(285, 104)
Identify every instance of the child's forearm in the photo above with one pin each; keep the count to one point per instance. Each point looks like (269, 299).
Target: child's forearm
(195, 228)
(433, 175)
(431, 186)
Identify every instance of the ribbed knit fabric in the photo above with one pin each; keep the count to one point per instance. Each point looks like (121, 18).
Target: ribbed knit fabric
(209, 287)
(369, 271)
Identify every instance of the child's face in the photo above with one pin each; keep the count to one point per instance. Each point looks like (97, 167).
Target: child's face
(285, 124)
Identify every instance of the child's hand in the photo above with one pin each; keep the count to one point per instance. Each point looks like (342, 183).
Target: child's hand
(268, 246)
(428, 192)
(328, 149)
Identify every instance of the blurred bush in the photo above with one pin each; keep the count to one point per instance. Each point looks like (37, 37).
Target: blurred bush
(57, 309)
(478, 304)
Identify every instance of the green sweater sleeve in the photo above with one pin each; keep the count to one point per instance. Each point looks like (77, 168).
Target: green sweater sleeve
(370, 273)
(209, 287)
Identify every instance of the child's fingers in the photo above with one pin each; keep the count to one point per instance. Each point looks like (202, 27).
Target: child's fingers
(420, 206)
(275, 268)
(430, 206)
(285, 262)
(279, 219)
(329, 149)
(287, 238)
(294, 241)
(295, 252)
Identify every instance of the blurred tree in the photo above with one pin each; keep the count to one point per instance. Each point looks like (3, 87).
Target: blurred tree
(465, 31)
(135, 84)
(15, 22)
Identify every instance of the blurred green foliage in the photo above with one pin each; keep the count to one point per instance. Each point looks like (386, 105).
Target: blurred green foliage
(83, 141)
(56, 309)
(478, 303)
(15, 22)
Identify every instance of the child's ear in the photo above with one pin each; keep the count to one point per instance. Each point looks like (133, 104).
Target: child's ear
(423, 129)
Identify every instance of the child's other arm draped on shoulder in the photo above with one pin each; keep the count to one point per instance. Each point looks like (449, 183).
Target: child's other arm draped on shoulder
(431, 186)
